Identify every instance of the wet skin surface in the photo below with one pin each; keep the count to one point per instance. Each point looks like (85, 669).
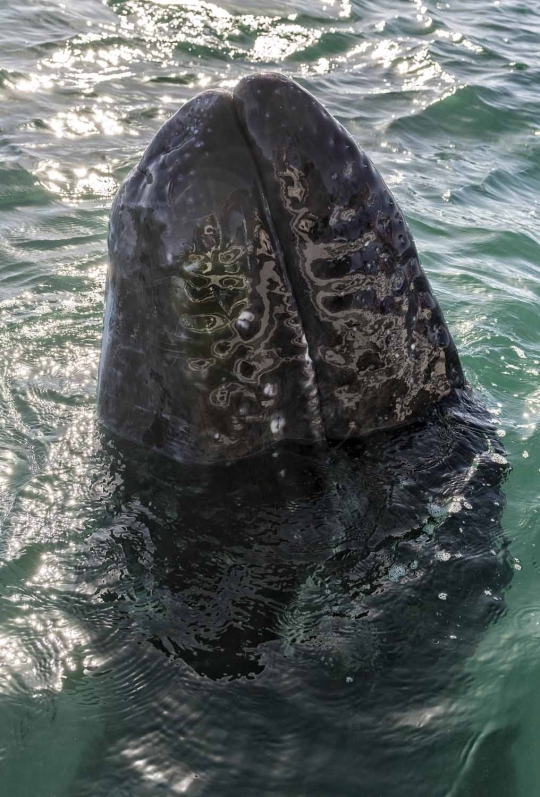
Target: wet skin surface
(377, 337)
(263, 286)
(328, 540)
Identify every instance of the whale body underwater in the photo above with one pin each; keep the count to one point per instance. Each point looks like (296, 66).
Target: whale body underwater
(269, 328)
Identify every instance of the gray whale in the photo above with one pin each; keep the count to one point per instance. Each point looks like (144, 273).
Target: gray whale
(264, 291)
(264, 286)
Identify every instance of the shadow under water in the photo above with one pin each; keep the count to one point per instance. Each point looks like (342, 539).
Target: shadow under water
(296, 622)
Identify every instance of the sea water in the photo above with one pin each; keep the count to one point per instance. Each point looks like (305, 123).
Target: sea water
(444, 98)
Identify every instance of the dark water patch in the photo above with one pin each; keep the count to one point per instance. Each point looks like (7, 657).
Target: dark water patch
(194, 49)
(10, 77)
(501, 185)
(518, 247)
(469, 113)
(375, 107)
(175, 80)
(19, 187)
(489, 768)
(418, 25)
(52, 244)
(332, 42)
(21, 276)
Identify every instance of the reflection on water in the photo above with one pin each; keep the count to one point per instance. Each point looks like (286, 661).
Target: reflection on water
(154, 639)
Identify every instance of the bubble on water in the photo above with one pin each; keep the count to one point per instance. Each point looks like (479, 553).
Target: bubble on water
(442, 596)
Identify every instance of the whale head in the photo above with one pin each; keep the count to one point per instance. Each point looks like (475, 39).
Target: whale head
(263, 286)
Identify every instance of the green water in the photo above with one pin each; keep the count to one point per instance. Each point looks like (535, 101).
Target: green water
(444, 97)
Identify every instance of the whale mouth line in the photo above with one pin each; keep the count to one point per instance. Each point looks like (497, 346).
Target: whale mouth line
(277, 244)
(264, 285)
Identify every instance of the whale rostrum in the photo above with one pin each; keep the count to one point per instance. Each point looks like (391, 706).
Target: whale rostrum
(263, 285)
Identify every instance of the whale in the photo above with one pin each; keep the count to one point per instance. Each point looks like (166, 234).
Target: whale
(269, 331)
(297, 521)
(264, 286)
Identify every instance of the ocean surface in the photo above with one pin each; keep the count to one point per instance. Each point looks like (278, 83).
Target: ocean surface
(96, 698)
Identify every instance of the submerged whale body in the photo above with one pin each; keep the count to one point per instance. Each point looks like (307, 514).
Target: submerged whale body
(351, 557)
(308, 608)
(263, 286)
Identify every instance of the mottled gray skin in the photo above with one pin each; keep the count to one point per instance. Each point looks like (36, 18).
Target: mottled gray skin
(377, 338)
(263, 286)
